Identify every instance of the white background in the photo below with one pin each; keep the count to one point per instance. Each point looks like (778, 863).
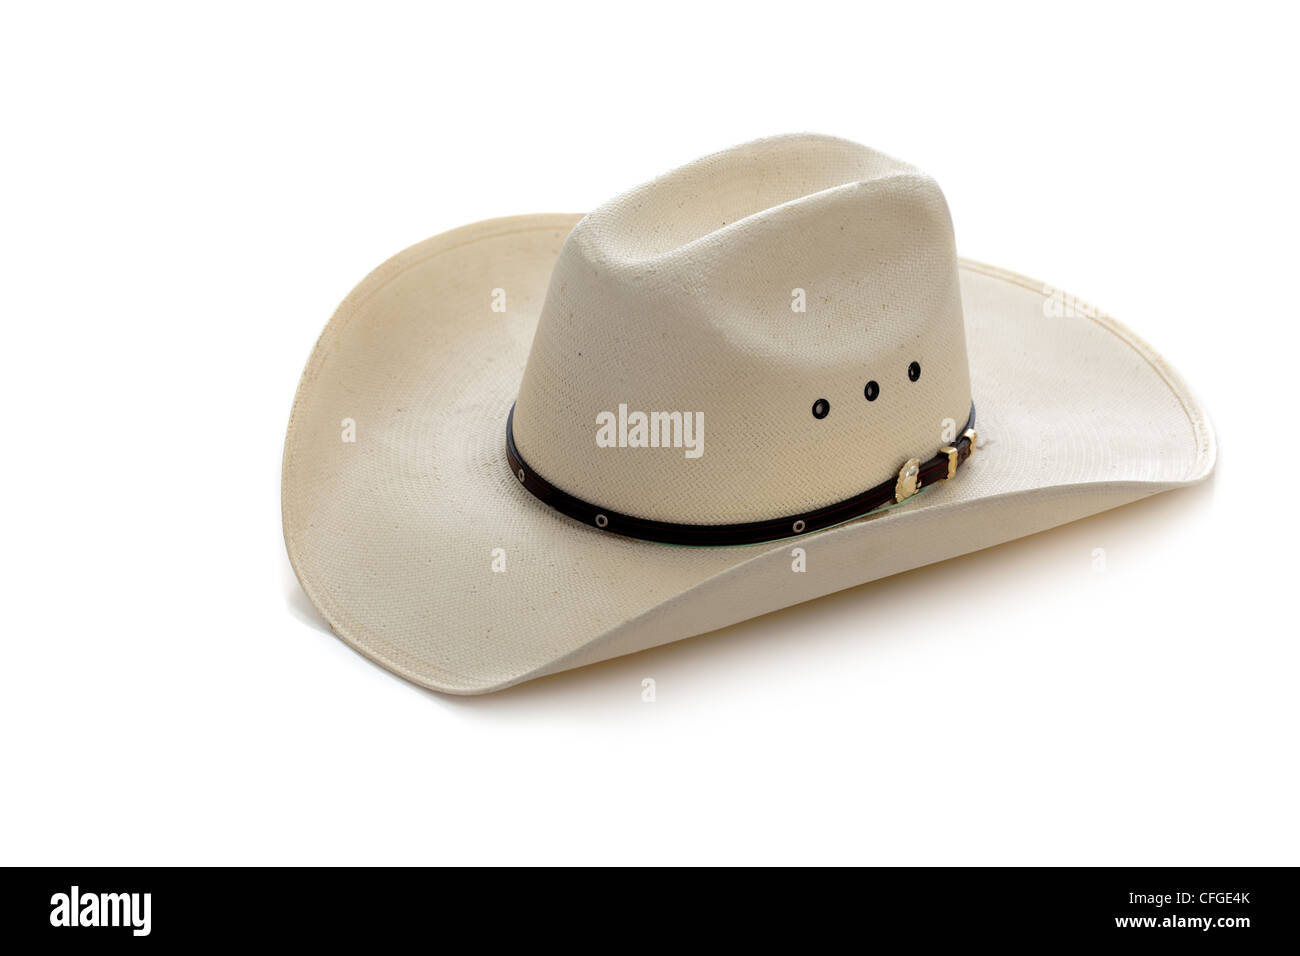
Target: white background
(187, 195)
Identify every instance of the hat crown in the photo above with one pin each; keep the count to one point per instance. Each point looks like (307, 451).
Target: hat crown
(763, 332)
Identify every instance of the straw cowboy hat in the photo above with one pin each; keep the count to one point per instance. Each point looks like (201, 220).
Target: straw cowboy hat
(534, 443)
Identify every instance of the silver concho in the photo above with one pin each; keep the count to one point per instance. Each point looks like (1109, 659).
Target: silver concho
(909, 480)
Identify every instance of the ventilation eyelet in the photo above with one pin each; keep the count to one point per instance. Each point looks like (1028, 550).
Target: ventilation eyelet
(872, 391)
(821, 408)
(914, 371)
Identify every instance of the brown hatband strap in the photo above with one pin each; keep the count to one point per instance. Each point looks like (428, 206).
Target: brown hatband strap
(913, 476)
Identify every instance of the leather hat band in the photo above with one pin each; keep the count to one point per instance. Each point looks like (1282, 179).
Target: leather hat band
(910, 479)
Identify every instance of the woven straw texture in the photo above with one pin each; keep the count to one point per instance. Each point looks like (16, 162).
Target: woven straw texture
(678, 296)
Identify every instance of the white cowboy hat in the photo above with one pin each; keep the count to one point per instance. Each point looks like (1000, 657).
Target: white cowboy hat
(534, 443)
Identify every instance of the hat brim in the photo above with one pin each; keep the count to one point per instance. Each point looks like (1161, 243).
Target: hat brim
(423, 553)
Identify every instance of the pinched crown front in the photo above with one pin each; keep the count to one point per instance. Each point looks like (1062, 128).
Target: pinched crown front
(764, 332)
